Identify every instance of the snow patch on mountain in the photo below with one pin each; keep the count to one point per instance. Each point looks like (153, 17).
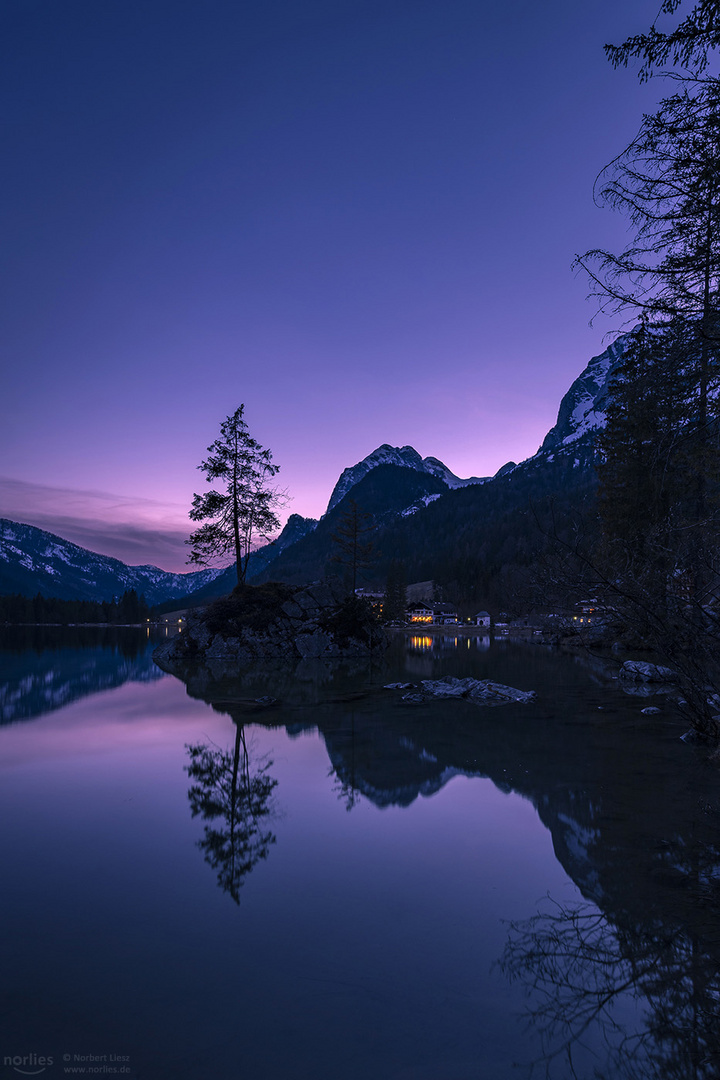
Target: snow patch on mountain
(425, 501)
(437, 468)
(406, 457)
(584, 407)
(61, 568)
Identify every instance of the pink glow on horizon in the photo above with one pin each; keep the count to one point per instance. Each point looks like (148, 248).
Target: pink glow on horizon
(149, 529)
(327, 213)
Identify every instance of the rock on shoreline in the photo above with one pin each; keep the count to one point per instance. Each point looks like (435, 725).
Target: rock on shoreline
(296, 623)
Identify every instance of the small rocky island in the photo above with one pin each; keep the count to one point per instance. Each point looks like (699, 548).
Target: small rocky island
(275, 621)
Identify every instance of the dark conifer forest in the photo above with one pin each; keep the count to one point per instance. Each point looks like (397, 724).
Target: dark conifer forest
(18, 609)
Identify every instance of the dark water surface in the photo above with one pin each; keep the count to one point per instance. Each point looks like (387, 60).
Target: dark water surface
(344, 885)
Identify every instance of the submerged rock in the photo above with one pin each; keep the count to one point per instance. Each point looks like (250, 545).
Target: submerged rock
(694, 737)
(448, 687)
(479, 691)
(641, 671)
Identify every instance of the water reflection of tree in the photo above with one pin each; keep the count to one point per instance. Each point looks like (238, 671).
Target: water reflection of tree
(236, 802)
(582, 972)
(345, 784)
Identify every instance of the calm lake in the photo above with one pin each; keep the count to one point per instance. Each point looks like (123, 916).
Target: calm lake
(342, 885)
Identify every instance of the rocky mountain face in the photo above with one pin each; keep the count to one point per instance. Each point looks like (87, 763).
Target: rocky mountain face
(295, 528)
(582, 412)
(33, 561)
(583, 409)
(388, 493)
(405, 457)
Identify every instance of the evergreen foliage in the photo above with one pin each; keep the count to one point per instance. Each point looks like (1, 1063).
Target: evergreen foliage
(248, 606)
(354, 548)
(646, 443)
(353, 620)
(686, 46)
(666, 182)
(236, 517)
(657, 566)
(395, 603)
(18, 609)
(234, 801)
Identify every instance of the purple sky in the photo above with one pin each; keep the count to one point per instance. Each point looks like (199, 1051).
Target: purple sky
(356, 218)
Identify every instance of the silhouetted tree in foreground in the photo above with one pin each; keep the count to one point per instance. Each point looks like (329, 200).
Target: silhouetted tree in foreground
(657, 569)
(686, 45)
(235, 802)
(245, 511)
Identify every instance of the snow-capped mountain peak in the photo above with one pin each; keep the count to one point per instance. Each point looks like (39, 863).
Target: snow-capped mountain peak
(406, 457)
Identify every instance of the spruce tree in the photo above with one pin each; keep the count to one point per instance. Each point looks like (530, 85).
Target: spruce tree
(354, 546)
(643, 471)
(686, 46)
(658, 562)
(395, 604)
(668, 183)
(245, 510)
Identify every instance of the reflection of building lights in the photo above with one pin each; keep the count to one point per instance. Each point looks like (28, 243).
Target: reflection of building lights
(422, 643)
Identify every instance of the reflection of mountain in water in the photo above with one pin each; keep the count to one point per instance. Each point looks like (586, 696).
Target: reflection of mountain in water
(633, 812)
(601, 774)
(64, 666)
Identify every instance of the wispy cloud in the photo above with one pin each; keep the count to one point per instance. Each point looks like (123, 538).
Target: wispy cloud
(134, 530)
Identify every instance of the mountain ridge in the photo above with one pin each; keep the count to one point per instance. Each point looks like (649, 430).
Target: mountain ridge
(402, 456)
(402, 489)
(33, 560)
